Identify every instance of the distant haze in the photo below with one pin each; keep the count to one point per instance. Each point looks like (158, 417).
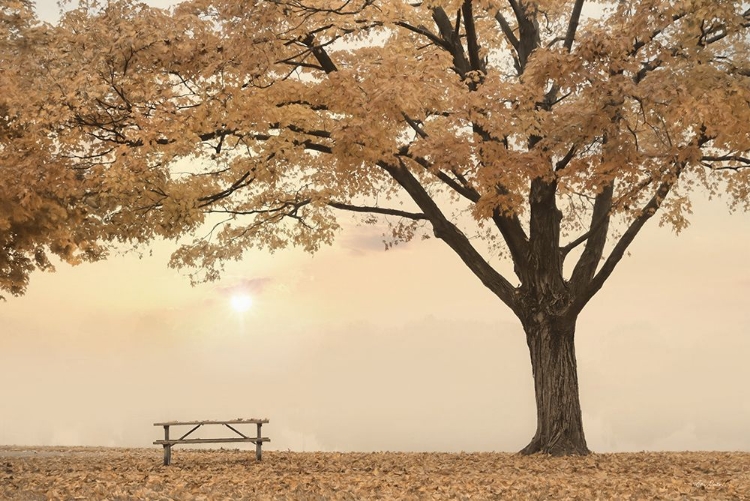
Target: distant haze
(358, 348)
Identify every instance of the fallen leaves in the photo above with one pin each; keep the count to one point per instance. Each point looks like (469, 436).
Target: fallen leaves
(123, 474)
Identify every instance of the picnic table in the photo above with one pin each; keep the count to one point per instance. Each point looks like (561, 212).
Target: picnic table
(232, 424)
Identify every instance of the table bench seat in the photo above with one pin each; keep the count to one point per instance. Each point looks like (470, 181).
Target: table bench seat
(211, 440)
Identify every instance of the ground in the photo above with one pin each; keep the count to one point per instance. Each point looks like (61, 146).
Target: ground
(72, 473)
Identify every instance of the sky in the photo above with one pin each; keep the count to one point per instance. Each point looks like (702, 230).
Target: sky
(361, 349)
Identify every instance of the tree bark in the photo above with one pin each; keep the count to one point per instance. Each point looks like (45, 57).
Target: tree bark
(559, 429)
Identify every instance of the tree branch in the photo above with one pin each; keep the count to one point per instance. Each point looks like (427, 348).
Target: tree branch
(237, 185)
(597, 237)
(414, 125)
(417, 216)
(451, 235)
(465, 190)
(507, 30)
(726, 158)
(528, 34)
(471, 38)
(451, 38)
(646, 213)
(573, 24)
(517, 9)
(564, 161)
(320, 54)
(421, 30)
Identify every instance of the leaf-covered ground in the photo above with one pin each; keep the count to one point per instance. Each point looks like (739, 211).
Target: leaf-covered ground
(52, 473)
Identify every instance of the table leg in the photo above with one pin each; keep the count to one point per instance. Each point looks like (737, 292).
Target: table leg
(258, 444)
(167, 447)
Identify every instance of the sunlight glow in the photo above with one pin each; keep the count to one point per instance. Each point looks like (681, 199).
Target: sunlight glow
(241, 302)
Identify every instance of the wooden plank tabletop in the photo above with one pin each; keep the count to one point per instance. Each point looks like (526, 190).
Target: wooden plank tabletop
(231, 421)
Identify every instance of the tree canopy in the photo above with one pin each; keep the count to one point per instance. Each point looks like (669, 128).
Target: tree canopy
(40, 192)
(290, 112)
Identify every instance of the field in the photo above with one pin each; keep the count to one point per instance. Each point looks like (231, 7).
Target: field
(82, 473)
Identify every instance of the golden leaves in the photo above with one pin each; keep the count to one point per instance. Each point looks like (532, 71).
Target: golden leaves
(154, 113)
(37, 215)
(98, 473)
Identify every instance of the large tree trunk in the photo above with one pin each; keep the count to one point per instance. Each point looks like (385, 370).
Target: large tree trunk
(559, 428)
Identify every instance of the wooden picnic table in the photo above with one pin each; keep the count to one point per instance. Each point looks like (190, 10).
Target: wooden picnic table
(168, 443)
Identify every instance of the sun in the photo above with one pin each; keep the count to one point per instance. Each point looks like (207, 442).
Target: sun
(241, 302)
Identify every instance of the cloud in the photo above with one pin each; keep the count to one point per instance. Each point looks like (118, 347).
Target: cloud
(364, 239)
(361, 240)
(244, 285)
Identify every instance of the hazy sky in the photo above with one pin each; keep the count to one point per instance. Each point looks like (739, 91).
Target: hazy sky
(361, 349)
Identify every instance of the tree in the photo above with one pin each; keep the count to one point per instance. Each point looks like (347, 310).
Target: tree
(39, 213)
(54, 199)
(553, 132)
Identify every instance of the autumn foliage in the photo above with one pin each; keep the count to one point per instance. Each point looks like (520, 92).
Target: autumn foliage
(548, 132)
(286, 113)
(39, 190)
(128, 474)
